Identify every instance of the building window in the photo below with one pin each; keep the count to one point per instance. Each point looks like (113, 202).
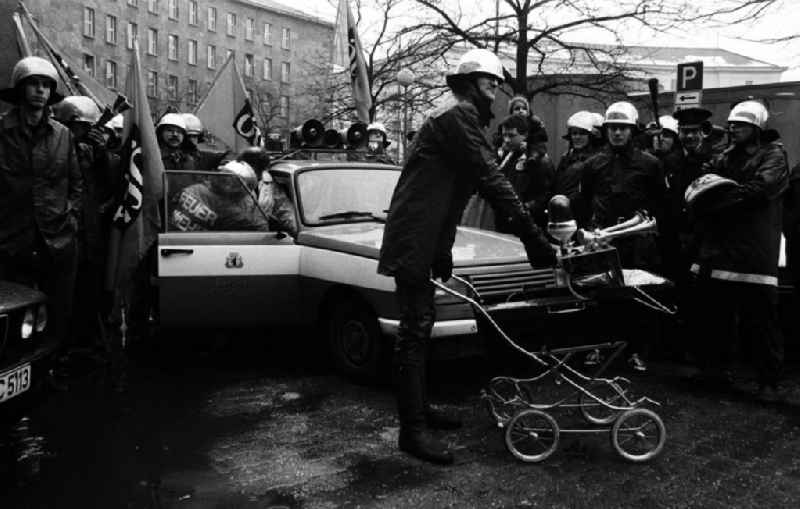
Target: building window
(152, 6)
(111, 74)
(249, 66)
(133, 33)
(211, 56)
(88, 22)
(173, 9)
(191, 53)
(249, 28)
(231, 25)
(286, 38)
(172, 87)
(152, 41)
(88, 63)
(111, 29)
(193, 12)
(172, 47)
(191, 92)
(286, 69)
(284, 106)
(133, 3)
(152, 84)
(268, 34)
(211, 20)
(267, 73)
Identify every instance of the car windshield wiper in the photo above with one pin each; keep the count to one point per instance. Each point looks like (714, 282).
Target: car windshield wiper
(353, 214)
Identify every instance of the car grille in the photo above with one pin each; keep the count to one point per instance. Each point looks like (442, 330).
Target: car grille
(500, 284)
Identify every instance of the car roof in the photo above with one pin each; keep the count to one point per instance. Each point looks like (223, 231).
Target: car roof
(294, 166)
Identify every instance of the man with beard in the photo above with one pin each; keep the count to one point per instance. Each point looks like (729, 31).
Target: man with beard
(449, 159)
(737, 209)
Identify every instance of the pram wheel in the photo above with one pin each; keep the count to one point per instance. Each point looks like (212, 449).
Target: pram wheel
(532, 435)
(638, 435)
(501, 397)
(613, 393)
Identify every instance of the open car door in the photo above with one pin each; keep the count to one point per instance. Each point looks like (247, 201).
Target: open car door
(219, 263)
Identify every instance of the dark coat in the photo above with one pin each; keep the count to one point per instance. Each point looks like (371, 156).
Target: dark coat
(740, 231)
(40, 185)
(615, 184)
(449, 160)
(531, 175)
(567, 179)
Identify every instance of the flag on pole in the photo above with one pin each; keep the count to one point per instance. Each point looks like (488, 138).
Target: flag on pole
(226, 110)
(348, 55)
(137, 218)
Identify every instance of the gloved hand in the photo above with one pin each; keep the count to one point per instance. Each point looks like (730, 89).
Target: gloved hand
(443, 269)
(540, 252)
(96, 137)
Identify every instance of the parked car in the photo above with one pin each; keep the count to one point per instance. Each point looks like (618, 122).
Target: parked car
(215, 276)
(25, 348)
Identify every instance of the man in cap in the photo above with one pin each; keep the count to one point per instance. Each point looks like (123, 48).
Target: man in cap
(582, 136)
(272, 197)
(40, 191)
(208, 156)
(449, 159)
(736, 264)
(377, 143)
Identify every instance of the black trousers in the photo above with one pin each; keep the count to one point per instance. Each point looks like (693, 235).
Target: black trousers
(417, 315)
(53, 274)
(732, 318)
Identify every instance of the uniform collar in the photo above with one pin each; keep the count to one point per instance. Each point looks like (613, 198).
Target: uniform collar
(14, 119)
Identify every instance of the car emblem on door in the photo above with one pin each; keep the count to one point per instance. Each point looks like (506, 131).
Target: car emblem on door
(234, 261)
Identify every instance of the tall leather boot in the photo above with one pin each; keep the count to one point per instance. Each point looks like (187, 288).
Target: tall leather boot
(434, 417)
(414, 439)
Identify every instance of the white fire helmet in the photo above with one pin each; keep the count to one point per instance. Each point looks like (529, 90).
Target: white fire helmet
(77, 108)
(703, 184)
(377, 126)
(116, 122)
(621, 112)
(581, 120)
(193, 124)
(669, 123)
(479, 61)
(749, 112)
(173, 119)
(242, 170)
(25, 68)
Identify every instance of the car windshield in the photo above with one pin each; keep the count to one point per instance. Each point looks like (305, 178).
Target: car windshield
(345, 195)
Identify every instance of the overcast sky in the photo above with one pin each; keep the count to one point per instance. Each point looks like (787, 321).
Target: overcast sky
(780, 22)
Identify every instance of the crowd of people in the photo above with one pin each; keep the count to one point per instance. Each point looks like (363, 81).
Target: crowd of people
(721, 199)
(62, 179)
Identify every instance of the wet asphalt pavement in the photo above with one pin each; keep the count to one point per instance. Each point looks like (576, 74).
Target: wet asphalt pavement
(235, 425)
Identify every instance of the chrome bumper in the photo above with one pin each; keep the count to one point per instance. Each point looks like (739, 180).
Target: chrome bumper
(441, 328)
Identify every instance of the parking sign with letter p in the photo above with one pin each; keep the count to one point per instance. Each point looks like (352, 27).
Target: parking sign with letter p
(690, 76)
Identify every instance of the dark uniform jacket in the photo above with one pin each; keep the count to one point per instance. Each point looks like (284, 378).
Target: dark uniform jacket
(531, 176)
(40, 185)
(449, 159)
(740, 231)
(615, 184)
(568, 179)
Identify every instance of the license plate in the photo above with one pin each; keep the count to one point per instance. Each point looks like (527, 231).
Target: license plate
(15, 382)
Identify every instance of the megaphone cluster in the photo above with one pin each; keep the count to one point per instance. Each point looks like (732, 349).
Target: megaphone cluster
(313, 134)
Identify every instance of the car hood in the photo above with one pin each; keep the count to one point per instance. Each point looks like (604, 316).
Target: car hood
(472, 246)
(14, 296)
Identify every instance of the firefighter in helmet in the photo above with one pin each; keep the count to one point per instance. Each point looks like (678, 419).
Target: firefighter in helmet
(448, 161)
(40, 191)
(736, 265)
(377, 143)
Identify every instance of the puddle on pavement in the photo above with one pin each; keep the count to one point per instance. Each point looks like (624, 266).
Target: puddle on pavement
(23, 450)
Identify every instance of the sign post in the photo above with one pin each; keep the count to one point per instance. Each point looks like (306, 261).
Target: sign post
(689, 92)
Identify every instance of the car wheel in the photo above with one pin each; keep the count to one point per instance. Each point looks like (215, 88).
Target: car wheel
(355, 341)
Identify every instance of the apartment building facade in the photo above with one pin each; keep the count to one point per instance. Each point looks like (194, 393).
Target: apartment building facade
(183, 43)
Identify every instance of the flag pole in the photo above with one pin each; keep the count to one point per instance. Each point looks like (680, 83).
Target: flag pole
(22, 39)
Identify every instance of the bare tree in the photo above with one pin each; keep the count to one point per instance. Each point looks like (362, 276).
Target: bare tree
(543, 38)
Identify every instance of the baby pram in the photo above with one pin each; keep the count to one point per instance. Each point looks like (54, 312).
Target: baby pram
(605, 404)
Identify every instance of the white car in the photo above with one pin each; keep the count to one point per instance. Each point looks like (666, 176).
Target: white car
(325, 274)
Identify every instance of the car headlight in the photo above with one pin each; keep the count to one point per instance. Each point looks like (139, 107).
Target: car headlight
(28, 324)
(41, 317)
